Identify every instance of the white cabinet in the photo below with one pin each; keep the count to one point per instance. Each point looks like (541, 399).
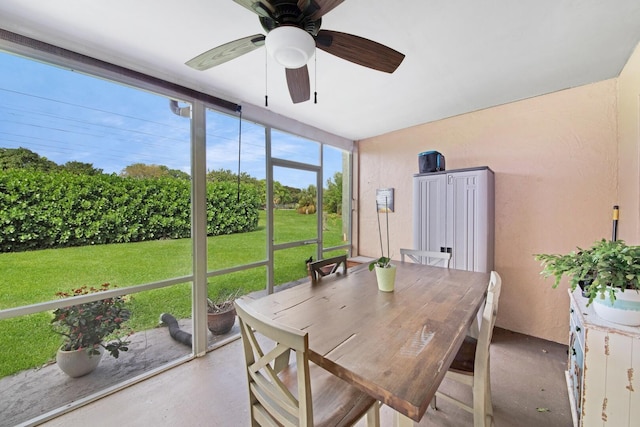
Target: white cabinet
(453, 211)
(604, 369)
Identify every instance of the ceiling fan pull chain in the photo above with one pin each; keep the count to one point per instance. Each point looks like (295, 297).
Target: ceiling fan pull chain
(266, 80)
(239, 110)
(315, 77)
(293, 36)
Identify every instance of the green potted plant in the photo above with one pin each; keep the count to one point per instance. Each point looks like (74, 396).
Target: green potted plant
(221, 313)
(86, 326)
(606, 270)
(385, 271)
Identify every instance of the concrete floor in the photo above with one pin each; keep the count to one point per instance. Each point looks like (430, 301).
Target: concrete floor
(528, 382)
(35, 393)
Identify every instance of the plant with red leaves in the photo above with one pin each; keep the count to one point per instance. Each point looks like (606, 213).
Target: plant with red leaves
(88, 325)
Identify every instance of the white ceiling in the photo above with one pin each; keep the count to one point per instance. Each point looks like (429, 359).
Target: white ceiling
(461, 55)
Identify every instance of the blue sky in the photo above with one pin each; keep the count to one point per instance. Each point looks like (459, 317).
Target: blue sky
(67, 116)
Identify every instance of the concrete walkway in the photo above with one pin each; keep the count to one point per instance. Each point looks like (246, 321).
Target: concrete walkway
(34, 392)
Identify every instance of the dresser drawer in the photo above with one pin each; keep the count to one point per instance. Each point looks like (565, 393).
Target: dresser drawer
(576, 325)
(576, 367)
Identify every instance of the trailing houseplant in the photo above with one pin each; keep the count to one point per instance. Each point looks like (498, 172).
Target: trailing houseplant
(86, 326)
(607, 267)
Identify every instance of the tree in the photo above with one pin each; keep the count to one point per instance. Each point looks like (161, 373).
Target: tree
(141, 170)
(294, 194)
(261, 186)
(281, 195)
(332, 196)
(22, 158)
(308, 197)
(178, 174)
(226, 175)
(80, 168)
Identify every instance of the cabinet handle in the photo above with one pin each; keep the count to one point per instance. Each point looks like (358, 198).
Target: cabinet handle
(577, 328)
(573, 351)
(571, 310)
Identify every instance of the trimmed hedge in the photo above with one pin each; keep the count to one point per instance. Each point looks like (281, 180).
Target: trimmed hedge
(41, 210)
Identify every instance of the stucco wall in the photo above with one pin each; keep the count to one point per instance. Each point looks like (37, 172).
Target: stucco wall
(555, 160)
(629, 149)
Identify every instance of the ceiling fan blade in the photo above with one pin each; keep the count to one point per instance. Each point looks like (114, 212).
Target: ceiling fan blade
(322, 7)
(298, 82)
(226, 52)
(261, 8)
(304, 4)
(359, 50)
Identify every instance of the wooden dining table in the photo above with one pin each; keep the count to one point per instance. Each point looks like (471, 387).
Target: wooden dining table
(396, 346)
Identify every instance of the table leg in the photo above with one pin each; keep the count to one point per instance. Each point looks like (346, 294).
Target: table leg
(400, 420)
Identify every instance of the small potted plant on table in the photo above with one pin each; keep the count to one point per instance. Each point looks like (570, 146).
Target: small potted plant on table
(385, 271)
(86, 326)
(609, 272)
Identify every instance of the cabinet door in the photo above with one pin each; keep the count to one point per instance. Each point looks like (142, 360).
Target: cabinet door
(454, 212)
(429, 209)
(467, 221)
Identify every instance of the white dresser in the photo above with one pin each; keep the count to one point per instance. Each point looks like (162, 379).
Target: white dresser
(604, 369)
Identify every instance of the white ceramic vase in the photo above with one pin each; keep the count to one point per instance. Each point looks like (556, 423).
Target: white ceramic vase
(625, 310)
(386, 278)
(77, 363)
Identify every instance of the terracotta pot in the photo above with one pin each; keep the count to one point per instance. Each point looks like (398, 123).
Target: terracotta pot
(221, 323)
(77, 363)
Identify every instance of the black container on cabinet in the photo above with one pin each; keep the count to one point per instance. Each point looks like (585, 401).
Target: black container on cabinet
(430, 161)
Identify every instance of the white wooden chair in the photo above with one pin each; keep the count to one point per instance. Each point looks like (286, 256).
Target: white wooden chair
(472, 362)
(426, 257)
(327, 266)
(283, 392)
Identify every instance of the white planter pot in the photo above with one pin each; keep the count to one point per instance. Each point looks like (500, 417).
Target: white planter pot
(625, 310)
(77, 363)
(386, 278)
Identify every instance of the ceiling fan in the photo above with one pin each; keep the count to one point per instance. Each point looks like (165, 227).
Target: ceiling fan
(293, 33)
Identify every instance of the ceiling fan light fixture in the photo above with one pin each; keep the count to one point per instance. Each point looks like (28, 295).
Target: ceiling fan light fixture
(291, 47)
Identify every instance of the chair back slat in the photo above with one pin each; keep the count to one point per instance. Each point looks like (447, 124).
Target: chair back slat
(327, 266)
(489, 316)
(272, 401)
(441, 259)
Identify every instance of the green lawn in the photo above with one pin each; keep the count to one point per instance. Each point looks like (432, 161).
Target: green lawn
(31, 277)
